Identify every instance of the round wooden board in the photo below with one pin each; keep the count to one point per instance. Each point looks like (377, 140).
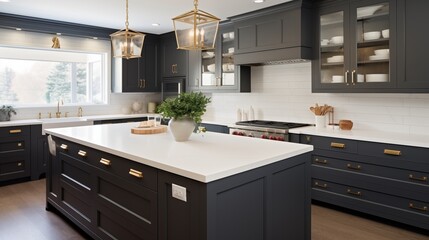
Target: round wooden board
(151, 130)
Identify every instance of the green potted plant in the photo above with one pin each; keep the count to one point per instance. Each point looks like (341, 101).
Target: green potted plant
(184, 112)
(6, 112)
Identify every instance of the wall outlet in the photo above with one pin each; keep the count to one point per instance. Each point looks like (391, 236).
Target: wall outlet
(178, 192)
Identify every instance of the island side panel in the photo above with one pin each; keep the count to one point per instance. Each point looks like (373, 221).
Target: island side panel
(269, 203)
(177, 219)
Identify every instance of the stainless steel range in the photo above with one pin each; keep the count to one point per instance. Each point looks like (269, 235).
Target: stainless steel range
(265, 129)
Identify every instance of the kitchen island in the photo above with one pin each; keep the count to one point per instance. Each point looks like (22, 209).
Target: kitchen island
(118, 185)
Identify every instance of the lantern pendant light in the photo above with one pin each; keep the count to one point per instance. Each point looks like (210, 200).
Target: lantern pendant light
(196, 29)
(127, 43)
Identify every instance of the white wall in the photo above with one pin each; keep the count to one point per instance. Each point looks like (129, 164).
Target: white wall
(283, 93)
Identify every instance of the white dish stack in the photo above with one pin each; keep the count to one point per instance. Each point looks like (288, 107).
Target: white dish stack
(380, 54)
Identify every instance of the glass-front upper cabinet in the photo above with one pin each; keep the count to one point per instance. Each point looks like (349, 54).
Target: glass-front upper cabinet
(356, 47)
(217, 65)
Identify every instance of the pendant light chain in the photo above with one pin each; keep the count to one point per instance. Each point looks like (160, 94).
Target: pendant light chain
(126, 16)
(195, 5)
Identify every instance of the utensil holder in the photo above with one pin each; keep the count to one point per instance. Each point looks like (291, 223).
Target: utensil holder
(320, 121)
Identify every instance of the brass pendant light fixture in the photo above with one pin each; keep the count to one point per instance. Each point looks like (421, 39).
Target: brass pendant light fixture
(196, 29)
(127, 43)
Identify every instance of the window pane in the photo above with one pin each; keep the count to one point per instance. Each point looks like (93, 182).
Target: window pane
(43, 76)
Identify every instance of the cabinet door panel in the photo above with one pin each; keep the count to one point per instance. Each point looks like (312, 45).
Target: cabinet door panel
(269, 33)
(412, 44)
(246, 37)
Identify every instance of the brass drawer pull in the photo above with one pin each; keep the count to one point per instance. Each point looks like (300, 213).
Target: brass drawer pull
(64, 147)
(19, 144)
(15, 131)
(423, 209)
(422, 179)
(392, 152)
(358, 167)
(105, 162)
(82, 153)
(135, 173)
(324, 161)
(349, 191)
(338, 145)
(317, 184)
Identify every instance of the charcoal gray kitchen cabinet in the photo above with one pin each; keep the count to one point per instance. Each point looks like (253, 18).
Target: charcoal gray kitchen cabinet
(174, 61)
(347, 59)
(15, 153)
(224, 75)
(222, 209)
(214, 70)
(412, 45)
(141, 74)
(386, 180)
(215, 127)
(40, 152)
(110, 197)
(282, 32)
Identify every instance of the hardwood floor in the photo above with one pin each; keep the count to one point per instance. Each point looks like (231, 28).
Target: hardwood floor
(23, 216)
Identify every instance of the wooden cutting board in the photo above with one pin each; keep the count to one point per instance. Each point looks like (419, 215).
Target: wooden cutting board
(151, 130)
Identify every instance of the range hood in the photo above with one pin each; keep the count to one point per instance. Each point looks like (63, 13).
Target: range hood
(280, 34)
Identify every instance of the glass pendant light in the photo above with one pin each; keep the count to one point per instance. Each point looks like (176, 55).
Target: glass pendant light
(127, 43)
(196, 29)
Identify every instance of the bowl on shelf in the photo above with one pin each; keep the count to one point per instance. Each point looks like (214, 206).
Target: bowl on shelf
(208, 54)
(378, 57)
(231, 50)
(377, 77)
(231, 35)
(360, 78)
(385, 33)
(225, 36)
(324, 42)
(337, 40)
(372, 35)
(337, 78)
(335, 59)
(346, 124)
(211, 67)
(382, 52)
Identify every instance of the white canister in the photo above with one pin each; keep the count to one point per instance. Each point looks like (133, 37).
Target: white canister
(320, 121)
(151, 107)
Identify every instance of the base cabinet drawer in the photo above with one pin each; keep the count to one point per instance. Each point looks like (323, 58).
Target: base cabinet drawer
(400, 209)
(125, 210)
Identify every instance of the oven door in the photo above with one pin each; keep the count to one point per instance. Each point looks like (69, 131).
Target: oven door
(271, 135)
(172, 87)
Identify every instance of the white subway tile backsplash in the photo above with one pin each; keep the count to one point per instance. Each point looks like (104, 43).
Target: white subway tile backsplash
(283, 93)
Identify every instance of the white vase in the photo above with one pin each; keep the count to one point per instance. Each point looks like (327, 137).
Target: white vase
(181, 129)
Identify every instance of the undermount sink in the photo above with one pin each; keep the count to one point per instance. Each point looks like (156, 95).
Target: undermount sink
(64, 122)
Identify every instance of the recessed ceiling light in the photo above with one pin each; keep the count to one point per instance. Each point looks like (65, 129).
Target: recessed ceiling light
(18, 29)
(258, 1)
(155, 24)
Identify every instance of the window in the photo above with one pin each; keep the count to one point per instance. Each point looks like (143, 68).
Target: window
(43, 76)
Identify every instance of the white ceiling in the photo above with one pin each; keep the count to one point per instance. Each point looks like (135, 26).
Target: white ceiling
(142, 13)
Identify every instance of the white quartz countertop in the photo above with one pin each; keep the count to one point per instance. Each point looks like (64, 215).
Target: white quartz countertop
(88, 118)
(205, 157)
(367, 135)
(20, 123)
